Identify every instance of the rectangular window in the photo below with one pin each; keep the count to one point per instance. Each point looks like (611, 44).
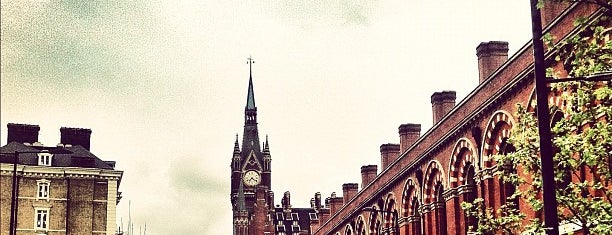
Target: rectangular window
(295, 216)
(279, 216)
(42, 219)
(44, 159)
(43, 189)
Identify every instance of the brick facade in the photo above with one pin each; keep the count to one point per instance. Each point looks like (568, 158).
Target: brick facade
(426, 182)
(81, 199)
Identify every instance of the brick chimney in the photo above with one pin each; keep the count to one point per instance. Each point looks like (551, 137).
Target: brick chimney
(490, 55)
(75, 136)
(441, 104)
(368, 173)
(22, 133)
(408, 133)
(349, 190)
(388, 154)
(335, 203)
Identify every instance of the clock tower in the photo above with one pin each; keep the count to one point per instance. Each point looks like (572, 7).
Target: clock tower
(251, 195)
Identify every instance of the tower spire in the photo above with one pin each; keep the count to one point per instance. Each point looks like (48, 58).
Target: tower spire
(251, 94)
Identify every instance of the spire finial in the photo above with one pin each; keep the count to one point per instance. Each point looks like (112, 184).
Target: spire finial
(250, 61)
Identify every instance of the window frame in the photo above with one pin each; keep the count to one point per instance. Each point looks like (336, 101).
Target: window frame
(45, 159)
(43, 184)
(44, 225)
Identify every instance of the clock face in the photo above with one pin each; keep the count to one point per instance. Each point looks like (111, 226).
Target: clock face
(251, 178)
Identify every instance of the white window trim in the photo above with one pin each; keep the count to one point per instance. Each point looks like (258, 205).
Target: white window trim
(45, 159)
(40, 183)
(46, 222)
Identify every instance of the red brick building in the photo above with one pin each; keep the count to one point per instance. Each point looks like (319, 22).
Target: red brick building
(424, 179)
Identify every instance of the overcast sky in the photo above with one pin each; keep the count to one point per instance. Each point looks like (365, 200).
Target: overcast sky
(163, 85)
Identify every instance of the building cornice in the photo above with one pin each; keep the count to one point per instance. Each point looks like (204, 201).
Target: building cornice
(60, 172)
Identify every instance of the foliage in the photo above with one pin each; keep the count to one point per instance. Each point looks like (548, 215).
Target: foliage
(582, 141)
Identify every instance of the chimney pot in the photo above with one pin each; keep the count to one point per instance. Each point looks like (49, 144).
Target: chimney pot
(442, 103)
(491, 55)
(22, 133)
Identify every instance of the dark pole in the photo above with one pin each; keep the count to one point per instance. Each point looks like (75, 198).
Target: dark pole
(546, 154)
(13, 195)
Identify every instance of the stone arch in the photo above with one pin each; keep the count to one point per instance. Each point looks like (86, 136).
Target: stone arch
(434, 175)
(411, 191)
(462, 156)
(390, 205)
(498, 128)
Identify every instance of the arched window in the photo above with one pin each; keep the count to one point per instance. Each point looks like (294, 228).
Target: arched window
(471, 195)
(441, 209)
(417, 225)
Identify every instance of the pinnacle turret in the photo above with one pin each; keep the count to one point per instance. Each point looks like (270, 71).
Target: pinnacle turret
(236, 146)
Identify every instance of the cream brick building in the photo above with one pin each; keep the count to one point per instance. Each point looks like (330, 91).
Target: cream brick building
(63, 189)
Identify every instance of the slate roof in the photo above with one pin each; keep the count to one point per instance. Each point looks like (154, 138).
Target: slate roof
(71, 156)
(288, 226)
(250, 95)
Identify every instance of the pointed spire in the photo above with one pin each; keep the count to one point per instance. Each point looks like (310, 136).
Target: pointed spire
(266, 146)
(241, 204)
(236, 146)
(251, 94)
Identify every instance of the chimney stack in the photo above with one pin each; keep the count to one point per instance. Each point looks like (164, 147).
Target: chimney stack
(75, 136)
(442, 103)
(490, 55)
(286, 201)
(409, 133)
(335, 203)
(368, 173)
(349, 190)
(22, 133)
(388, 154)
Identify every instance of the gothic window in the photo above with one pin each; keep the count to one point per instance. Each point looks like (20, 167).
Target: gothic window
(42, 219)
(416, 228)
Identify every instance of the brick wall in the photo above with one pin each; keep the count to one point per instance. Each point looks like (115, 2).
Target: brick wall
(490, 105)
